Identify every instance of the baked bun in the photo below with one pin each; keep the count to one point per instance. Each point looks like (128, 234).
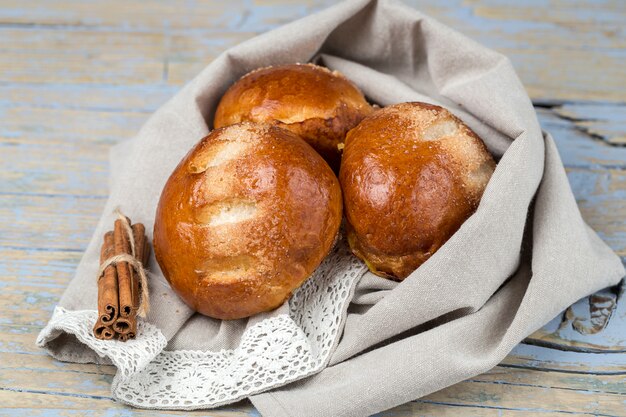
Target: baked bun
(411, 174)
(318, 105)
(244, 219)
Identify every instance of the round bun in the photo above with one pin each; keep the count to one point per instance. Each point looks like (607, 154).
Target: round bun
(244, 219)
(319, 105)
(411, 174)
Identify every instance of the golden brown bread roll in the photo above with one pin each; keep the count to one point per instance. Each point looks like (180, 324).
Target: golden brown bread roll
(411, 174)
(244, 219)
(318, 105)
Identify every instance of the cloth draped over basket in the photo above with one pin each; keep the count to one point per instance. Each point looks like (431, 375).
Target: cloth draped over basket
(350, 343)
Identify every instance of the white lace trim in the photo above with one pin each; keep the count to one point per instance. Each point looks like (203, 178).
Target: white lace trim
(271, 353)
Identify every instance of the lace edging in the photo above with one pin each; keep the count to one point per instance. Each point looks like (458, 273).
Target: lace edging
(271, 353)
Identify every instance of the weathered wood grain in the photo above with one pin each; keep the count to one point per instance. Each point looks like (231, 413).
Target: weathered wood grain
(602, 200)
(525, 356)
(154, 15)
(47, 269)
(509, 376)
(97, 98)
(557, 392)
(51, 403)
(50, 126)
(11, 363)
(45, 405)
(592, 325)
(606, 121)
(54, 169)
(578, 148)
(562, 50)
(88, 56)
(91, 381)
(528, 398)
(19, 339)
(48, 222)
(538, 43)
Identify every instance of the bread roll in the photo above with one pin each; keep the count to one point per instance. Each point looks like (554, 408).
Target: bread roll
(411, 174)
(244, 219)
(319, 105)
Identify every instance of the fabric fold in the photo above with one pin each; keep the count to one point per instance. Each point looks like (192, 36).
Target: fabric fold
(562, 259)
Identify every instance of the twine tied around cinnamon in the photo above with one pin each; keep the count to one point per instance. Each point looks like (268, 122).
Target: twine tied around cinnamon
(144, 304)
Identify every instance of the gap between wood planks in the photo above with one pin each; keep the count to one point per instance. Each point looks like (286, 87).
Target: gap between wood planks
(532, 410)
(602, 121)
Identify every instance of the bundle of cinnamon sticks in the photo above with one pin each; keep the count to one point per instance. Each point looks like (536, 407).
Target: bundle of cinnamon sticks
(124, 252)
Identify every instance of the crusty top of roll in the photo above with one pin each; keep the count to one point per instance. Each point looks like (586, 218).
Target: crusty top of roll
(411, 174)
(318, 104)
(244, 219)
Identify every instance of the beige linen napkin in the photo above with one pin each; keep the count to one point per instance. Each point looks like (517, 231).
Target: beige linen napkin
(524, 256)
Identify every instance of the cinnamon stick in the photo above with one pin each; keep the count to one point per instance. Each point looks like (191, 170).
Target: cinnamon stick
(108, 305)
(139, 233)
(124, 271)
(123, 325)
(125, 337)
(146, 253)
(102, 331)
(130, 333)
(120, 293)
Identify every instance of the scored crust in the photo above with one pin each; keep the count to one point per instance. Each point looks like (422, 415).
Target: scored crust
(317, 104)
(411, 174)
(244, 219)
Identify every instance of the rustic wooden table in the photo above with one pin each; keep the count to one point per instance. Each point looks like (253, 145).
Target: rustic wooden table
(77, 77)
